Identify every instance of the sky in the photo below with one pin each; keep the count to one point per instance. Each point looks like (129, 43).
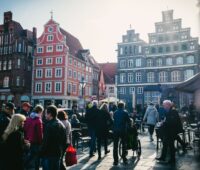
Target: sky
(100, 24)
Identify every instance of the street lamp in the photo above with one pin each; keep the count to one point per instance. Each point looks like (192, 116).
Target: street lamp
(82, 86)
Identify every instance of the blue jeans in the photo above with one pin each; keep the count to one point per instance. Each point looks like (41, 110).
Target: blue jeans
(92, 140)
(51, 163)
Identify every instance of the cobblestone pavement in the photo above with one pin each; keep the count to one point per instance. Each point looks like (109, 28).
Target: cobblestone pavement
(185, 161)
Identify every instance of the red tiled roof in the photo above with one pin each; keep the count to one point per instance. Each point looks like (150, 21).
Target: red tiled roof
(72, 42)
(109, 70)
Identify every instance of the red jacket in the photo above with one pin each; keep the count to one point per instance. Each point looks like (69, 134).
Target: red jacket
(33, 130)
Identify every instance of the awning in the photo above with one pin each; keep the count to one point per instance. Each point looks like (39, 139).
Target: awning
(10, 97)
(2, 97)
(25, 98)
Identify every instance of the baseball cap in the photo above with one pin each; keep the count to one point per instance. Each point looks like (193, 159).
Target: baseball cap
(10, 106)
(26, 104)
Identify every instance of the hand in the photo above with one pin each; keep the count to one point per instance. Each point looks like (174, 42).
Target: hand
(27, 143)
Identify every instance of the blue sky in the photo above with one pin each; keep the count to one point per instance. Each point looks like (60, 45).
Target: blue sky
(100, 24)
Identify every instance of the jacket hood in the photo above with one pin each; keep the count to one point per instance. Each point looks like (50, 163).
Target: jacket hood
(33, 115)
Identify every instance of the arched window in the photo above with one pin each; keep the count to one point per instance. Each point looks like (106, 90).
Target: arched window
(190, 59)
(169, 61)
(6, 82)
(163, 76)
(150, 77)
(188, 74)
(175, 76)
(159, 62)
(149, 62)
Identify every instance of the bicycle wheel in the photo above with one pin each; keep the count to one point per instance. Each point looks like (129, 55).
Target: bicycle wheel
(139, 149)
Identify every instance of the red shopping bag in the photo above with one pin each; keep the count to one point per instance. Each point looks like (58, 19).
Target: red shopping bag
(70, 157)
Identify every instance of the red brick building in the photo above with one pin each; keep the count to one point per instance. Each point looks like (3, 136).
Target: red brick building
(16, 49)
(60, 64)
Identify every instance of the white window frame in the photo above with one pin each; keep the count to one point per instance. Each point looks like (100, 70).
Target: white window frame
(138, 62)
(60, 87)
(49, 48)
(131, 90)
(49, 88)
(50, 37)
(130, 77)
(169, 61)
(39, 73)
(179, 60)
(175, 76)
(149, 62)
(58, 72)
(69, 73)
(39, 61)
(122, 77)
(163, 76)
(39, 49)
(138, 77)
(130, 63)
(190, 59)
(38, 87)
(59, 47)
(122, 63)
(159, 62)
(6, 81)
(188, 74)
(122, 90)
(150, 77)
(48, 73)
(139, 90)
(49, 61)
(18, 81)
(59, 60)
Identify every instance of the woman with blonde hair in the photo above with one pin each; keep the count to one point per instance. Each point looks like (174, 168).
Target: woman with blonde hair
(14, 143)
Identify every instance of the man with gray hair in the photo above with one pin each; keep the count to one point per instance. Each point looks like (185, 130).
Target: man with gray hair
(172, 126)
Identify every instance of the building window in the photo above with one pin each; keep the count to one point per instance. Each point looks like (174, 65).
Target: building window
(138, 77)
(49, 49)
(122, 90)
(9, 65)
(179, 60)
(150, 77)
(38, 73)
(58, 72)
(122, 78)
(120, 50)
(79, 76)
(175, 76)
(140, 90)
(74, 88)
(58, 60)
(75, 75)
(138, 62)
(4, 65)
(69, 87)
(18, 63)
(40, 50)
(6, 82)
(122, 63)
(18, 81)
(160, 39)
(59, 48)
(132, 90)
(168, 49)
(163, 76)
(139, 49)
(50, 38)
(58, 86)
(48, 87)
(39, 62)
(190, 59)
(169, 61)
(130, 63)
(188, 74)
(184, 36)
(38, 87)
(130, 77)
(70, 60)
(70, 73)
(49, 61)
(152, 96)
(48, 73)
(192, 46)
(160, 49)
(111, 90)
(149, 62)
(159, 62)
(19, 47)
(50, 29)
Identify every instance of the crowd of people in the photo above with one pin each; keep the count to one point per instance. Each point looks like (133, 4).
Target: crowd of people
(41, 137)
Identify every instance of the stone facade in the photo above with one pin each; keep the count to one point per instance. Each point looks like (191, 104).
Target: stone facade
(148, 72)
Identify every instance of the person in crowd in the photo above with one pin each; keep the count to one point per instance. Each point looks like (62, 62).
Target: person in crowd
(90, 118)
(5, 117)
(75, 122)
(192, 112)
(25, 109)
(103, 123)
(151, 117)
(172, 126)
(54, 140)
(33, 131)
(14, 143)
(62, 116)
(121, 122)
(161, 112)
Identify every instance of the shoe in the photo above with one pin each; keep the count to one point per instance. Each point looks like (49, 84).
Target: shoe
(108, 151)
(160, 159)
(91, 155)
(115, 163)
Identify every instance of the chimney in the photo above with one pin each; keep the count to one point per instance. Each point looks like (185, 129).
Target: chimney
(34, 36)
(7, 16)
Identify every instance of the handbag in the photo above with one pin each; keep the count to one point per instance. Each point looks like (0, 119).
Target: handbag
(71, 156)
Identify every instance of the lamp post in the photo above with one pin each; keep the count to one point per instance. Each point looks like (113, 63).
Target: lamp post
(82, 86)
